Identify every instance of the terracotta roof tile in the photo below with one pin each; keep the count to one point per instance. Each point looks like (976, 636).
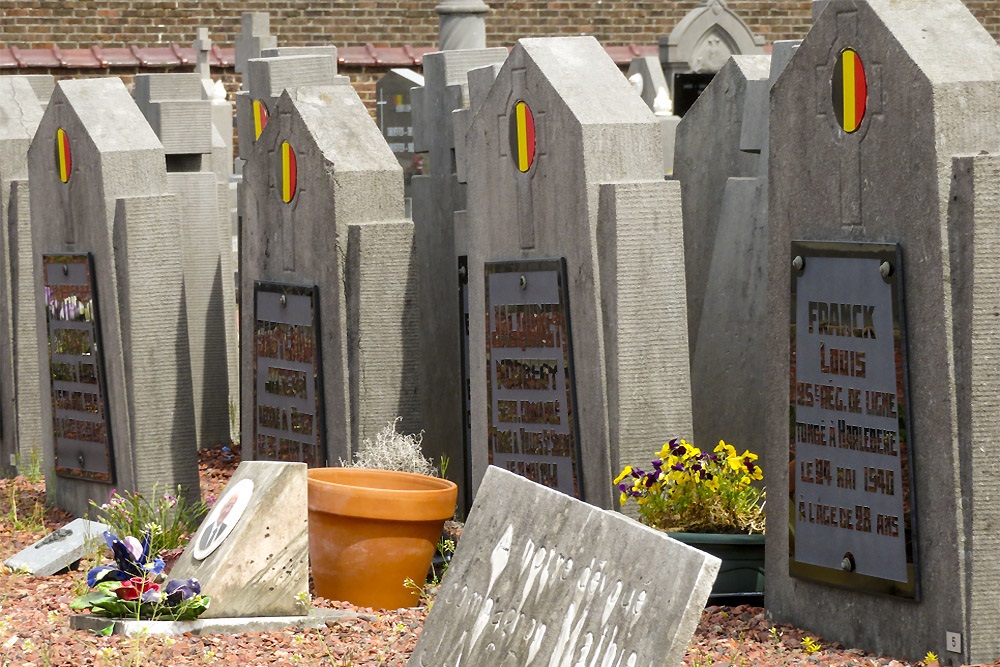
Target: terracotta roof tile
(175, 55)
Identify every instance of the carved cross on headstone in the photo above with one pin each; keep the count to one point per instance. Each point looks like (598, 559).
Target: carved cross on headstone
(286, 225)
(203, 46)
(849, 168)
(524, 178)
(255, 37)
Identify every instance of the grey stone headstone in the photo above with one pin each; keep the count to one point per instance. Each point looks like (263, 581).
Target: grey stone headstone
(20, 433)
(932, 95)
(594, 195)
(198, 172)
(725, 248)
(59, 549)
(437, 199)
(393, 113)
(263, 563)
(267, 78)
(115, 207)
(584, 586)
(253, 38)
(203, 46)
(343, 232)
(174, 108)
(42, 84)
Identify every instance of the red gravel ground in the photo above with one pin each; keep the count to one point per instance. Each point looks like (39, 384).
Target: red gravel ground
(34, 625)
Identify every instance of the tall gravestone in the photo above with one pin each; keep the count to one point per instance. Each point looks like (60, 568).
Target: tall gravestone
(721, 162)
(255, 36)
(328, 310)
(881, 408)
(264, 81)
(20, 431)
(576, 306)
(117, 410)
(394, 115)
(197, 171)
(440, 237)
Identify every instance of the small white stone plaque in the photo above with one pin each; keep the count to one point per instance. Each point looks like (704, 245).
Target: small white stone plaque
(59, 549)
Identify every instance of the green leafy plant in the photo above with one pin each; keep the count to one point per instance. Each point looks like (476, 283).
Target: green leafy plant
(445, 549)
(392, 450)
(170, 519)
(689, 490)
(32, 521)
(32, 468)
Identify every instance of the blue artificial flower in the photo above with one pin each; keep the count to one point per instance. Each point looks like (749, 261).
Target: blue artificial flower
(151, 595)
(132, 558)
(178, 590)
(105, 573)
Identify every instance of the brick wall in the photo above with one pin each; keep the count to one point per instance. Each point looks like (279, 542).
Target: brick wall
(81, 23)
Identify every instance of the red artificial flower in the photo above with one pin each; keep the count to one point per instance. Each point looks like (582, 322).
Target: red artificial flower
(135, 587)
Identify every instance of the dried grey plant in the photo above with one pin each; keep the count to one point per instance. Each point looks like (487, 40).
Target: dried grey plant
(392, 450)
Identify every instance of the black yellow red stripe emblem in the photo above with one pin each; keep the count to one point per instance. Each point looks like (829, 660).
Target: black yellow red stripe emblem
(289, 172)
(260, 116)
(522, 136)
(64, 157)
(850, 90)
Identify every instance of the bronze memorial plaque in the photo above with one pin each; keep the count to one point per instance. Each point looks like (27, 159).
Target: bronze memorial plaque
(287, 385)
(76, 368)
(851, 501)
(530, 391)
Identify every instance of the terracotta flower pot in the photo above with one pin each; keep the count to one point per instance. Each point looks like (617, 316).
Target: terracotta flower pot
(371, 530)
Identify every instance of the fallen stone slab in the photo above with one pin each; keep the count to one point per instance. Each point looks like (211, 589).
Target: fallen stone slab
(550, 580)
(59, 549)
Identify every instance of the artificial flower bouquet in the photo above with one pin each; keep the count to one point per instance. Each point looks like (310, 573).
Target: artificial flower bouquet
(132, 587)
(692, 491)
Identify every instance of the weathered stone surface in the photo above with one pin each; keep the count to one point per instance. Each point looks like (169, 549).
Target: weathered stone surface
(437, 196)
(20, 432)
(706, 154)
(263, 563)
(932, 85)
(255, 35)
(183, 121)
(115, 207)
(584, 586)
(59, 549)
(591, 131)
(346, 176)
(723, 179)
(267, 78)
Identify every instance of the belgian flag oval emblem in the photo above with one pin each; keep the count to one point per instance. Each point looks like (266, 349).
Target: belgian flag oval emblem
(260, 116)
(64, 158)
(850, 90)
(289, 172)
(522, 136)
